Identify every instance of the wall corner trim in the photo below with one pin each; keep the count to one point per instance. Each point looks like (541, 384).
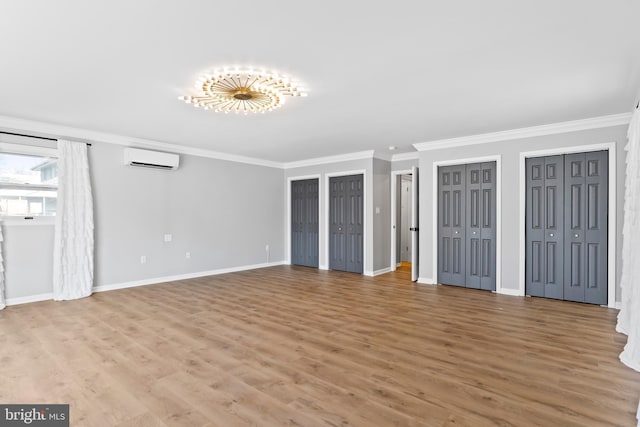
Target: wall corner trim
(528, 132)
(426, 281)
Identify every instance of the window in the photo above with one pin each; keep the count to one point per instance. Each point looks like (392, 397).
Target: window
(28, 182)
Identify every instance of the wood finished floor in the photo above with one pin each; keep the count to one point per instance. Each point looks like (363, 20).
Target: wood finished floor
(302, 347)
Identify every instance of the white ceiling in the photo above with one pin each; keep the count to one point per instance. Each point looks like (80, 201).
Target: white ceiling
(379, 73)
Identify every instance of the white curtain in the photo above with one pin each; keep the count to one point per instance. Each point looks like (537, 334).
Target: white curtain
(2, 300)
(73, 237)
(629, 316)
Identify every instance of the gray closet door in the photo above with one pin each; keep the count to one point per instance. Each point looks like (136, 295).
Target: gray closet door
(467, 225)
(544, 267)
(355, 221)
(451, 225)
(480, 230)
(566, 227)
(304, 222)
(586, 222)
(346, 219)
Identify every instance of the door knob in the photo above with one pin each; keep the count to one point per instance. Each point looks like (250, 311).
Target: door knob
(474, 232)
(456, 232)
(576, 235)
(550, 234)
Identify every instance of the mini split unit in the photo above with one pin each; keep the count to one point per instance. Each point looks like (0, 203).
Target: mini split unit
(150, 159)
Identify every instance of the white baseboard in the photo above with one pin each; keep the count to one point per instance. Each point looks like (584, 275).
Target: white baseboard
(30, 298)
(164, 279)
(368, 273)
(617, 305)
(144, 282)
(382, 271)
(426, 281)
(512, 292)
(323, 267)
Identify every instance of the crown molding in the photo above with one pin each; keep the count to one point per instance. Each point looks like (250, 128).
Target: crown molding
(412, 155)
(33, 127)
(550, 129)
(383, 155)
(330, 159)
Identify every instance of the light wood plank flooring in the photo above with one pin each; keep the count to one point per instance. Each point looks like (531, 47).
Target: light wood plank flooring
(302, 347)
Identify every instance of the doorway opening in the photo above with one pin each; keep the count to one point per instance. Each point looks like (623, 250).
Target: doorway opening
(404, 222)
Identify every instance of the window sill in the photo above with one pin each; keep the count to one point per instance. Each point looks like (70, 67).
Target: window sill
(13, 221)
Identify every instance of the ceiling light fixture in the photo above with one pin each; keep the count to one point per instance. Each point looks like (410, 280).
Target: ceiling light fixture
(243, 91)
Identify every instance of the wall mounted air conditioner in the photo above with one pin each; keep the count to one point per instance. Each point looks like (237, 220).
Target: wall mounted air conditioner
(150, 159)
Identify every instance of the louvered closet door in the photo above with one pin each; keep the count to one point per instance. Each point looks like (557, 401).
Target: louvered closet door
(451, 225)
(480, 230)
(544, 227)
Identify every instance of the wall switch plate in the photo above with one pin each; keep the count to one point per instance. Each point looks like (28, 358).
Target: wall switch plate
(187, 255)
(168, 237)
(143, 259)
(377, 209)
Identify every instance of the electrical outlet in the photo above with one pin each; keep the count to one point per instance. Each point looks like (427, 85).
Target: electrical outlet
(168, 237)
(143, 259)
(187, 255)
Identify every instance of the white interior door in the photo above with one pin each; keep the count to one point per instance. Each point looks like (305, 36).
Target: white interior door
(414, 223)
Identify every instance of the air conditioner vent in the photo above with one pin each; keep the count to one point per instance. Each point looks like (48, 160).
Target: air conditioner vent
(150, 159)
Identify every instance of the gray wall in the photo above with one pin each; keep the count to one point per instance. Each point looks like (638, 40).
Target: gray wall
(223, 213)
(402, 165)
(365, 165)
(28, 259)
(510, 151)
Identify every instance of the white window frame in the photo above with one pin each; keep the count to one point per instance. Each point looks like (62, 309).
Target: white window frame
(29, 150)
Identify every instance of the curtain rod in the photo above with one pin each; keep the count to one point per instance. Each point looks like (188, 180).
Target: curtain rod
(36, 137)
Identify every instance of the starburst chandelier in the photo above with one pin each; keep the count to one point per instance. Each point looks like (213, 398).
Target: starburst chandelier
(243, 90)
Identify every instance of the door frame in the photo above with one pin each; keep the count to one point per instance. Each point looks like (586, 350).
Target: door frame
(612, 211)
(365, 211)
(287, 243)
(394, 215)
(493, 158)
